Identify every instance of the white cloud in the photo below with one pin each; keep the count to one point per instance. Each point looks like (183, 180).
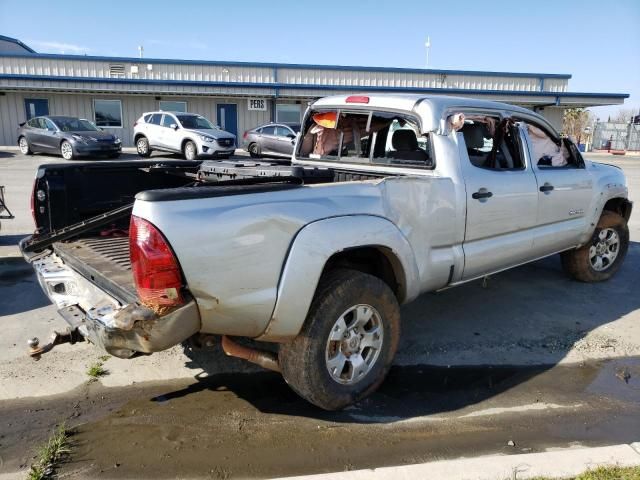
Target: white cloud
(57, 47)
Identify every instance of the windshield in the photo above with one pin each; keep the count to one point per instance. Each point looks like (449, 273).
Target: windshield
(196, 122)
(75, 125)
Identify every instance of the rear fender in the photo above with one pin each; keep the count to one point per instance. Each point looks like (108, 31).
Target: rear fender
(313, 246)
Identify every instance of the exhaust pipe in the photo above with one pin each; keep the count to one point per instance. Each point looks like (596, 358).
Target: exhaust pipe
(266, 360)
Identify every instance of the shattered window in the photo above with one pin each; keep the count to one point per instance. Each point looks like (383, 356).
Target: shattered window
(351, 137)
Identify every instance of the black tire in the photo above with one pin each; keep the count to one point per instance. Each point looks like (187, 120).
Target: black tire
(578, 263)
(304, 361)
(254, 150)
(190, 151)
(22, 143)
(142, 147)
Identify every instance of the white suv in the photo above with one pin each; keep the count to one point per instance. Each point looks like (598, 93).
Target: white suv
(186, 133)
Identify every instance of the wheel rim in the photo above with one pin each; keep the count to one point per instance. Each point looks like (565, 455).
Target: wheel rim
(67, 151)
(24, 146)
(143, 148)
(190, 152)
(604, 250)
(254, 149)
(354, 344)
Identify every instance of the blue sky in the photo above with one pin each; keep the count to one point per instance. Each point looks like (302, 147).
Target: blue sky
(598, 42)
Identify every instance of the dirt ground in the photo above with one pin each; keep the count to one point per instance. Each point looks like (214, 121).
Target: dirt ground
(531, 357)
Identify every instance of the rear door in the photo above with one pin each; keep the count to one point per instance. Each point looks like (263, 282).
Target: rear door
(564, 195)
(284, 140)
(501, 203)
(268, 140)
(37, 134)
(153, 130)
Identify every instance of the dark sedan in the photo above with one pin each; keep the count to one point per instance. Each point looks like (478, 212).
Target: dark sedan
(276, 139)
(67, 136)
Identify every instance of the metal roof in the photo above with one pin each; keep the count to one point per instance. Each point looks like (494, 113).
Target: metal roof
(17, 42)
(357, 68)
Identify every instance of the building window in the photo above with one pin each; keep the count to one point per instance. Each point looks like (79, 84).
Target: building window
(108, 113)
(171, 106)
(36, 107)
(288, 113)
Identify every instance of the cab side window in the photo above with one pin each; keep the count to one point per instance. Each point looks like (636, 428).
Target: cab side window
(547, 152)
(492, 143)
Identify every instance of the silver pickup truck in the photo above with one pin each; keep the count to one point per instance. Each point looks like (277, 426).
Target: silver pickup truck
(387, 197)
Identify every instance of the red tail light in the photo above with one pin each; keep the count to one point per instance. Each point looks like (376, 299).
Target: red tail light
(155, 268)
(135, 123)
(245, 135)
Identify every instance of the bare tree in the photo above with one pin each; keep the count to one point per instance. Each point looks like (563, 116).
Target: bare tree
(575, 121)
(623, 115)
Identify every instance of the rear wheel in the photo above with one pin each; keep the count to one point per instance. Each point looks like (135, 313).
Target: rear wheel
(66, 150)
(348, 341)
(190, 151)
(254, 150)
(25, 148)
(601, 258)
(142, 147)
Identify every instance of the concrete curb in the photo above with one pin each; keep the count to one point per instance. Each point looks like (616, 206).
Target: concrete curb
(555, 464)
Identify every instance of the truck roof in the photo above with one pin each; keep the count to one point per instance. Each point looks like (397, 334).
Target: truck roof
(431, 108)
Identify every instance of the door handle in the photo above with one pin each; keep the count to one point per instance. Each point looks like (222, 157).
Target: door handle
(547, 187)
(482, 193)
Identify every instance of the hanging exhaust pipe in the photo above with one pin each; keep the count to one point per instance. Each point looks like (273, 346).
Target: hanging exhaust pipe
(266, 360)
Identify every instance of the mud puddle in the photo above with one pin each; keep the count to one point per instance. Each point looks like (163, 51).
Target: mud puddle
(252, 425)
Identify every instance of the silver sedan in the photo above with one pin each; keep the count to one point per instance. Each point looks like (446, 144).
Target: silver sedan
(277, 139)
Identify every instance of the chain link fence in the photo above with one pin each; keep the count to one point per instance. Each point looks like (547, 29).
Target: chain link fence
(616, 136)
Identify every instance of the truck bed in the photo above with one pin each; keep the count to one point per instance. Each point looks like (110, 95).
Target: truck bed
(103, 260)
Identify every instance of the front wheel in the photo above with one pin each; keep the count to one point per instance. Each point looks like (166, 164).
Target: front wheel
(601, 258)
(348, 341)
(190, 151)
(25, 149)
(66, 150)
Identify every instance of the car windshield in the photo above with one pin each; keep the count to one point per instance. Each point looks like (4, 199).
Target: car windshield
(75, 125)
(195, 121)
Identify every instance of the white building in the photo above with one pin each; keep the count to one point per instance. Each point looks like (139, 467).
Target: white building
(114, 91)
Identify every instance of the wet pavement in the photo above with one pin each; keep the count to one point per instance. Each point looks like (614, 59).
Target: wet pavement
(253, 425)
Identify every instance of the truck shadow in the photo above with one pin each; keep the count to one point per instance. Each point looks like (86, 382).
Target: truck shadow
(465, 345)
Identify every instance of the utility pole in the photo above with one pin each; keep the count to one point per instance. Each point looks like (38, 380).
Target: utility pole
(428, 47)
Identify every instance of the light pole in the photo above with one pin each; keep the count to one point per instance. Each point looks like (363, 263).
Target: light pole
(427, 45)
(141, 50)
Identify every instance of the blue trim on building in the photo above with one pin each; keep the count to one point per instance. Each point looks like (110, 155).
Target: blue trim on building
(17, 42)
(55, 56)
(278, 86)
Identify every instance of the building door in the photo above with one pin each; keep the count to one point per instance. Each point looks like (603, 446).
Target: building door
(227, 114)
(36, 107)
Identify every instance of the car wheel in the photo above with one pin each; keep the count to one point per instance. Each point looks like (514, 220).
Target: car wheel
(600, 258)
(25, 148)
(66, 150)
(190, 151)
(254, 150)
(347, 343)
(142, 147)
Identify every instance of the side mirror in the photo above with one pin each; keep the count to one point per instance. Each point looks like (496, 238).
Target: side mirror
(291, 136)
(174, 126)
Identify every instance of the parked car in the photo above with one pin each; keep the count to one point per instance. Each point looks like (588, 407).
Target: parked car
(187, 133)
(322, 269)
(277, 139)
(70, 137)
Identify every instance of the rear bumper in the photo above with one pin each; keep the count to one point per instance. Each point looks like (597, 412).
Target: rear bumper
(121, 330)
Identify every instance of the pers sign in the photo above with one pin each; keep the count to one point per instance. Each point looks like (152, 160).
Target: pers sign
(257, 104)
